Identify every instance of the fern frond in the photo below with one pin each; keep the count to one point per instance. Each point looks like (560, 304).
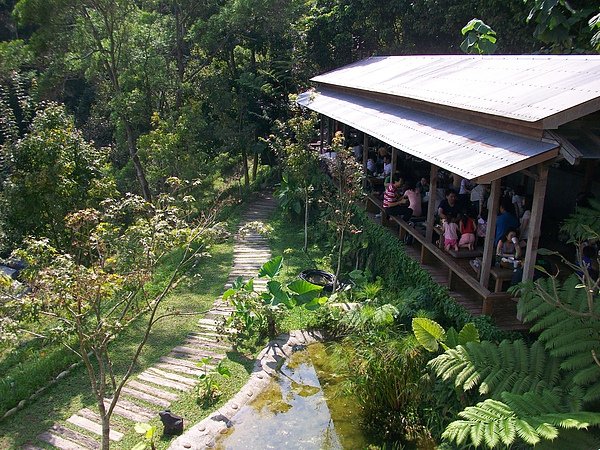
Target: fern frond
(509, 366)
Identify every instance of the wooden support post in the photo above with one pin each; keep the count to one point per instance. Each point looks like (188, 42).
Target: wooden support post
(432, 202)
(330, 131)
(365, 157)
(346, 132)
(489, 246)
(321, 132)
(394, 156)
(537, 208)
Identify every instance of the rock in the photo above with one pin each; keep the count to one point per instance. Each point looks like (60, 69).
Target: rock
(10, 412)
(62, 374)
(21, 403)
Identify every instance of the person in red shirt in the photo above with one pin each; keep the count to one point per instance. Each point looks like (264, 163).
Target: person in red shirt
(393, 203)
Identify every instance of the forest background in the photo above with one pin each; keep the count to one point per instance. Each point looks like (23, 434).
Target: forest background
(127, 94)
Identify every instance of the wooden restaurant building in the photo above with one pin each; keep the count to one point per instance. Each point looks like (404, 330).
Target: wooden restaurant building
(483, 118)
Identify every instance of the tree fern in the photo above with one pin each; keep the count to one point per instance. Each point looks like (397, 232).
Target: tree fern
(510, 366)
(531, 417)
(567, 316)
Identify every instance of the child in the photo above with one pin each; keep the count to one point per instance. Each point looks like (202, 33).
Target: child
(467, 232)
(450, 227)
(508, 246)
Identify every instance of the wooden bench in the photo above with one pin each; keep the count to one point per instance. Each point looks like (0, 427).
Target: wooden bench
(455, 270)
(374, 204)
(499, 274)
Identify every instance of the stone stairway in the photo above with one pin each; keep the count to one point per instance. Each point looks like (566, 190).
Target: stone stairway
(177, 372)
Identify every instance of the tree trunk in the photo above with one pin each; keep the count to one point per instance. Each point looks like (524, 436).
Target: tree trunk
(105, 433)
(339, 260)
(305, 219)
(245, 164)
(255, 166)
(139, 169)
(179, 56)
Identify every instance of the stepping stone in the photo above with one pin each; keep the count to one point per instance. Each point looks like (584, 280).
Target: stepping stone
(81, 439)
(180, 369)
(131, 411)
(210, 322)
(173, 376)
(31, 447)
(203, 353)
(220, 312)
(146, 397)
(196, 358)
(93, 427)
(211, 344)
(153, 391)
(160, 381)
(60, 442)
(179, 362)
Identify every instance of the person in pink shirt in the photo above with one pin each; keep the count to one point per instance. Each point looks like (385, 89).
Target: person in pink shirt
(414, 200)
(450, 227)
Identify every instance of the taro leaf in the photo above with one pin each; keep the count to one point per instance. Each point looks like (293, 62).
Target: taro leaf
(276, 294)
(385, 315)
(228, 293)
(142, 428)
(304, 291)
(451, 338)
(428, 333)
(271, 268)
(249, 286)
(315, 303)
(468, 334)
(223, 371)
(236, 286)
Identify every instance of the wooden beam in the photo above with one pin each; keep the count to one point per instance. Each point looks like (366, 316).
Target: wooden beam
(537, 209)
(530, 174)
(432, 202)
(365, 157)
(489, 246)
(394, 156)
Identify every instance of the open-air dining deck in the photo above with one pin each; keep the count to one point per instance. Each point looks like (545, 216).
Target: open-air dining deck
(417, 116)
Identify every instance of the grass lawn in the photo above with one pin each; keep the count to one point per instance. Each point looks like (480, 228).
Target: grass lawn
(73, 392)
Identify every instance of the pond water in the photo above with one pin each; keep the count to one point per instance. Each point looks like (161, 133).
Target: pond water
(304, 409)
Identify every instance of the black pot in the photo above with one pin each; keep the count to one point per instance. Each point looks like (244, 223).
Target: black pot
(319, 277)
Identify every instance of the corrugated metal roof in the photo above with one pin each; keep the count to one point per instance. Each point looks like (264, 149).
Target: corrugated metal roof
(470, 151)
(527, 88)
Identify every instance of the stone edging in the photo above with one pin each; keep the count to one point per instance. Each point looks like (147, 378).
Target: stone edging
(204, 434)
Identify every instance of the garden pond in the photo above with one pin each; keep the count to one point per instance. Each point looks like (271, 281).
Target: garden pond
(306, 407)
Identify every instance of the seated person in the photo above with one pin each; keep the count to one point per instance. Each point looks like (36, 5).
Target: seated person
(387, 165)
(505, 221)
(467, 230)
(508, 246)
(357, 150)
(413, 195)
(449, 206)
(450, 227)
(371, 167)
(393, 204)
(589, 260)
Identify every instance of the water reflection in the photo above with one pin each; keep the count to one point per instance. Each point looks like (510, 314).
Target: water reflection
(298, 411)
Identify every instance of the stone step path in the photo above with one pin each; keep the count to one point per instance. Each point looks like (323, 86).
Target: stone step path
(177, 372)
